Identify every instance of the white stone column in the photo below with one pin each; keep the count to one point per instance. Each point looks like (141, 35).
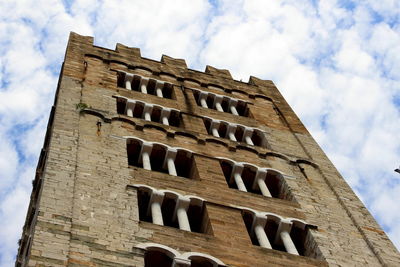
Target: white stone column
(171, 167)
(259, 182)
(283, 235)
(236, 172)
(247, 136)
(147, 112)
(214, 128)
(182, 205)
(231, 132)
(288, 243)
(159, 86)
(217, 103)
(128, 81)
(165, 113)
(169, 161)
(130, 105)
(203, 99)
(145, 155)
(143, 85)
(258, 226)
(156, 200)
(232, 107)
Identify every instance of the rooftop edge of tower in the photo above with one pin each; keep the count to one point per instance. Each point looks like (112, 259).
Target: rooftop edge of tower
(132, 53)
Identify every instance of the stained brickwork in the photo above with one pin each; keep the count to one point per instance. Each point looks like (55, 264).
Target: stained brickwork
(84, 205)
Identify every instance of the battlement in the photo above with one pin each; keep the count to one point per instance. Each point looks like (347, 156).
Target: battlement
(176, 66)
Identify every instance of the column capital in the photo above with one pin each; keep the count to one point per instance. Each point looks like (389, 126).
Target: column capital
(284, 226)
(165, 112)
(260, 220)
(247, 131)
(181, 203)
(230, 132)
(128, 76)
(156, 197)
(144, 81)
(260, 174)
(180, 262)
(170, 154)
(233, 102)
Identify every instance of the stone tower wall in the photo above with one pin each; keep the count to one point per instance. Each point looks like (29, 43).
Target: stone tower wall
(84, 205)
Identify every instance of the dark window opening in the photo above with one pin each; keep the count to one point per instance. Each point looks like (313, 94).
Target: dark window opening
(239, 133)
(248, 177)
(143, 202)
(200, 262)
(133, 150)
(248, 221)
(157, 157)
(274, 184)
(257, 138)
(157, 259)
(227, 170)
(222, 130)
(242, 109)
(225, 104)
(207, 124)
(121, 105)
(271, 229)
(167, 209)
(184, 163)
(175, 118)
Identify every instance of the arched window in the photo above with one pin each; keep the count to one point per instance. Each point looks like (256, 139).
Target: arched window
(250, 178)
(157, 255)
(145, 85)
(161, 158)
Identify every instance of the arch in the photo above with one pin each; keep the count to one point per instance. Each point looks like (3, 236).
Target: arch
(278, 155)
(192, 136)
(195, 200)
(216, 141)
(249, 149)
(190, 255)
(139, 67)
(273, 217)
(305, 161)
(170, 252)
(118, 62)
(192, 80)
(94, 113)
(94, 56)
(279, 173)
(249, 165)
(169, 193)
(168, 74)
(239, 91)
(263, 97)
(249, 210)
(218, 87)
(298, 223)
(145, 188)
(122, 119)
(156, 127)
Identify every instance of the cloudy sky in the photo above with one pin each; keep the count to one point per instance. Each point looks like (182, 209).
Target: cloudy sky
(337, 63)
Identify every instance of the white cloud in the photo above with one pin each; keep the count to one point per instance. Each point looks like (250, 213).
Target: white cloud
(337, 67)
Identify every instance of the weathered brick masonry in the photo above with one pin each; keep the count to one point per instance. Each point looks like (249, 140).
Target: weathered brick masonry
(84, 208)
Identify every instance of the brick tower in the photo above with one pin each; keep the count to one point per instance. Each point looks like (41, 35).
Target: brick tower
(149, 163)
